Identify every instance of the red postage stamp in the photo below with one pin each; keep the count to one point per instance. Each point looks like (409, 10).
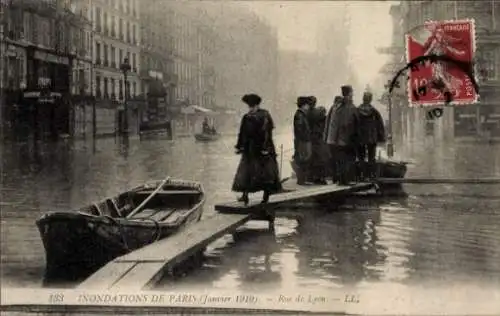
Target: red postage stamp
(431, 83)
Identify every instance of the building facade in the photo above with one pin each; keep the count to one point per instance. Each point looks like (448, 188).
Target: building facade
(176, 51)
(42, 42)
(116, 41)
(481, 120)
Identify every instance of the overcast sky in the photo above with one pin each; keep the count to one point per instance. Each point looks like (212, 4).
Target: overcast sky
(298, 23)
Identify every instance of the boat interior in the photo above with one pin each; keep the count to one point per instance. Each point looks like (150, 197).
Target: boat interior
(167, 204)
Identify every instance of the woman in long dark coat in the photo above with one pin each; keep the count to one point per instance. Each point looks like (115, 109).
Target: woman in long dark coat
(258, 168)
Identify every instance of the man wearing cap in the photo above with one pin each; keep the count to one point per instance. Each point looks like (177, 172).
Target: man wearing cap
(341, 135)
(370, 131)
(302, 139)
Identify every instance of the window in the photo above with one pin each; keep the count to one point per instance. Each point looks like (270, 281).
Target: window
(43, 30)
(106, 60)
(105, 23)
(98, 86)
(134, 88)
(113, 26)
(133, 34)
(98, 53)
(134, 66)
(128, 32)
(495, 14)
(490, 60)
(113, 88)
(98, 19)
(106, 92)
(113, 56)
(120, 29)
(28, 33)
(121, 56)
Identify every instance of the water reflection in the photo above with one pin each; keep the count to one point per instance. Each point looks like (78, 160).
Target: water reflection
(340, 247)
(439, 233)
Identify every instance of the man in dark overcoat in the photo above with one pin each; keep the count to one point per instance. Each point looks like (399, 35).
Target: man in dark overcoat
(317, 116)
(341, 135)
(370, 132)
(302, 140)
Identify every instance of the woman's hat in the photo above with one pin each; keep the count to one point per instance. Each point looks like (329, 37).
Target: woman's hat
(303, 101)
(251, 99)
(337, 99)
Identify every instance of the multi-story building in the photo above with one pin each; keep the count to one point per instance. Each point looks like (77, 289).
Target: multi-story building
(116, 40)
(479, 120)
(42, 42)
(176, 57)
(239, 70)
(156, 56)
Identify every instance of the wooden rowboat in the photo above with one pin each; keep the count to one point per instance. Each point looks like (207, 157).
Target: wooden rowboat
(80, 242)
(201, 137)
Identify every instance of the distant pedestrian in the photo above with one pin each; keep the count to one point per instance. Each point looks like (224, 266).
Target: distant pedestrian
(302, 139)
(340, 134)
(317, 116)
(258, 168)
(370, 131)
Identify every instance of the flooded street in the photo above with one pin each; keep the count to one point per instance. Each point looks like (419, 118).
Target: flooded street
(439, 234)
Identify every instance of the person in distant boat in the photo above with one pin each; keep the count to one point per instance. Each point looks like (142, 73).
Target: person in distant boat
(258, 167)
(341, 135)
(213, 131)
(370, 131)
(206, 126)
(302, 139)
(317, 116)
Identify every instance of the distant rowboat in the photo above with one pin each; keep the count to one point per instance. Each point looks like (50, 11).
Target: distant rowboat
(202, 137)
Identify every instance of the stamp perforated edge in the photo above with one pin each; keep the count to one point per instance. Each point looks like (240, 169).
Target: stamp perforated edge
(473, 44)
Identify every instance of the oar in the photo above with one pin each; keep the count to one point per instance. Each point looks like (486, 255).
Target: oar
(140, 206)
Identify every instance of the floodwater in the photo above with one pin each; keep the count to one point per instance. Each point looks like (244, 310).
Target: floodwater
(438, 235)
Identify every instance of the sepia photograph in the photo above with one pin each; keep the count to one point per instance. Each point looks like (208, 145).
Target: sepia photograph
(249, 156)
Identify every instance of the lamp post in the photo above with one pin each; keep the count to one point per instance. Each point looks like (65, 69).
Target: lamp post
(125, 68)
(390, 145)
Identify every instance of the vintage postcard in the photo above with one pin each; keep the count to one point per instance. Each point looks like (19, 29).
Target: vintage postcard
(265, 157)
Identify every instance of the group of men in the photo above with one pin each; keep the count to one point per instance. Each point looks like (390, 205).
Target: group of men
(341, 143)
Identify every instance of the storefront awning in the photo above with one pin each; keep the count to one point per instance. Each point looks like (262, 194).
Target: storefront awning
(194, 109)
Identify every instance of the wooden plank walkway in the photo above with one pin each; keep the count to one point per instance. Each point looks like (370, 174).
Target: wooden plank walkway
(296, 193)
(144, 266)
(439, 181)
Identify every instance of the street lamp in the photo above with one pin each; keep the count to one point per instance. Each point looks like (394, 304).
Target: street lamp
(390, 145)
(125, 68)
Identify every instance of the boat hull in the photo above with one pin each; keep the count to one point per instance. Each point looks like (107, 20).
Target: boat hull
(385, 169)
(206, 137)
(77, 243)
